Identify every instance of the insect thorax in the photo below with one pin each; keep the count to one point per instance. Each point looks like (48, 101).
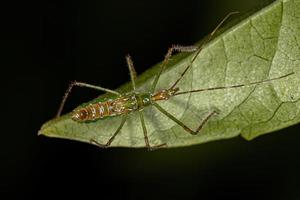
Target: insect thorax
(125, 104)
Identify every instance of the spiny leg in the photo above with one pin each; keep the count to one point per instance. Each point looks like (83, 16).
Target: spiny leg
(114, 135)
(201, 47)
(133, 78)
(169, 115)
(150, 148)
(171, 50)
(131, 70)
(80, 84)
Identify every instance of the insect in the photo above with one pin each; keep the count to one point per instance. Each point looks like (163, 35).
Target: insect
(134, 101)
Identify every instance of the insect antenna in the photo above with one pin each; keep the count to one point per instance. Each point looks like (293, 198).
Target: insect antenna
(199, 49)
(234, 86)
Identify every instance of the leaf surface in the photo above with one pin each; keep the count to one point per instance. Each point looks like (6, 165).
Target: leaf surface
(263, 46)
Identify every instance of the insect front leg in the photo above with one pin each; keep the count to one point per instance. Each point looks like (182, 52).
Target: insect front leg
(171, 50)
(199, 49)
(93, 141)
(178, 48)
(81, 84)
(185, 127)
(150, 148)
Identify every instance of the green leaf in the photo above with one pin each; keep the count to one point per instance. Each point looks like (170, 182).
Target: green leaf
(263, 46)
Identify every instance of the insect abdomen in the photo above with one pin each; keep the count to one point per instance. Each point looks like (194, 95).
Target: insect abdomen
(93, 111)
(118, 106)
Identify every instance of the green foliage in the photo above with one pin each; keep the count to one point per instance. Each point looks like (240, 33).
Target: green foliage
(263, 46)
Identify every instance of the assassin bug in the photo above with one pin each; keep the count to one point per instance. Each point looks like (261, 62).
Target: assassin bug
(124, 104)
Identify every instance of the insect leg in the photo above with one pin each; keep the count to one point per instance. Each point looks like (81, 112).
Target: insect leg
(199, 49)
(150, 148)
(171, 50)
(112, 137)
(169, 115)
(131, 70)
(80, 84)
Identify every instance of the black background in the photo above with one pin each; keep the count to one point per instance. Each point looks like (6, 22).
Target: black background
(47, 44)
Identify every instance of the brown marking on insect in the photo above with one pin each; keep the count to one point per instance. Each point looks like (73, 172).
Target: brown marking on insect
(90, 112)
(111, 107)
(80, 115)
(164, 94)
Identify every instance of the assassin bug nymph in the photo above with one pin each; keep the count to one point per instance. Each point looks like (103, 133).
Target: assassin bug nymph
(123, 104)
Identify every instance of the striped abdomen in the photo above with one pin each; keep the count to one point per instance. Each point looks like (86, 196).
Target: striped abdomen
(108, 108)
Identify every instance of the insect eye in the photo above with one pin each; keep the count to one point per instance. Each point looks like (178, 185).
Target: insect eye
(146, 100)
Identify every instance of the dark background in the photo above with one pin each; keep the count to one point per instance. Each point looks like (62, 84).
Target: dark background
(47, 44)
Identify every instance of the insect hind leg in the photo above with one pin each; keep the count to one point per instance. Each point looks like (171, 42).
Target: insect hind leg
(81, 84)
(111, 139)
(132, 71)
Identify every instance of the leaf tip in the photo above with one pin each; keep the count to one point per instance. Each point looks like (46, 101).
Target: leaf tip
(40, 132)
(47, 128)
(43, 131)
